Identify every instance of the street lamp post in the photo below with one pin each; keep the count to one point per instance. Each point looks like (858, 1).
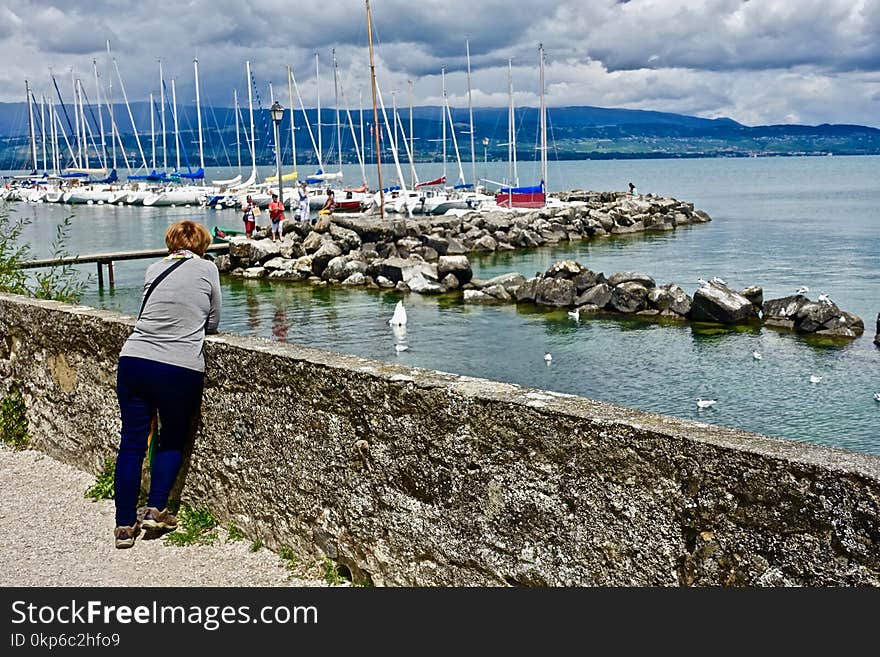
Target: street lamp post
(277, 112)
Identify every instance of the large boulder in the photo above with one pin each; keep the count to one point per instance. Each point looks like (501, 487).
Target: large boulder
(812, 316)
(755, 294)
(422, 285)
(394, 269)
(509, 282)
(844, 325)
(587, 279)
(329, 250)
(629, 297)
(564, 269)
(782, 312)
(555, 292)
(486, 243)
(497, 292)
(598, 295)
(437, 242)
(458, 265)
(347, 239)
(631, 276)
(313, 242)
(239, 248)
(263, 250)
(721, 305)
(527, 292)
(670, 297)
(455, 247)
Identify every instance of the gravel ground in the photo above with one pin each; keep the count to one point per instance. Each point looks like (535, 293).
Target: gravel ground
(51, 535)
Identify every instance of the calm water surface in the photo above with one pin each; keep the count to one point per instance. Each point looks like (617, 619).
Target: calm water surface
(778, 222)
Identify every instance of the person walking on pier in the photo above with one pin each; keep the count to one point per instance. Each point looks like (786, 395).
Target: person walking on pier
(303, 202)
(161, 375)
(248, 216)
(276, 217)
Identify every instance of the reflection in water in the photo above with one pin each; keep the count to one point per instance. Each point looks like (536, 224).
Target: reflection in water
(252, 301)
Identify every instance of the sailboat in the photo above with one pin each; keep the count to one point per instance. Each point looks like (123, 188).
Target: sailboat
(534, 196)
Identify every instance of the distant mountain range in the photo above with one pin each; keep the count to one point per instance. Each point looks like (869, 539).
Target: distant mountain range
(575, 133)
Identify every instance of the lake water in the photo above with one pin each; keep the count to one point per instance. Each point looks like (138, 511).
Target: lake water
(777, 222)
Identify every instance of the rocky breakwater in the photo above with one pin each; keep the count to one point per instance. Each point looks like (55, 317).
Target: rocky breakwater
(569, 284)
(423, 255)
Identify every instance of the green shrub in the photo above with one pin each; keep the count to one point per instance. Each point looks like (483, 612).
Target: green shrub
(13, 420)
(102, 489)
(194, 528)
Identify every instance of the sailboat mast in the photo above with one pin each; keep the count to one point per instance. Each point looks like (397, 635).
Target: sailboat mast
(100, 113)
(152, 132)
(199, 115)
(375, 112)
(162, 103)
(471, 115)
(110, 102)
(174, 119)
(137, 137)
(543, 121)
(336, 96)
(510, 120)
(318, 92)
(82, 115)
(443, 116)
(53, 136)
(361, 106)
(292, 114)
(412, 145)
(237, 136)
(76, 119)
(43, 128)
(251, 114)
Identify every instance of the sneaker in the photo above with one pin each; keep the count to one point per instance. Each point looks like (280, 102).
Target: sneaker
(125, 536)
(156, 520)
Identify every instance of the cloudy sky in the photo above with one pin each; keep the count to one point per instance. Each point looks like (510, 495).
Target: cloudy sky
(755, 61)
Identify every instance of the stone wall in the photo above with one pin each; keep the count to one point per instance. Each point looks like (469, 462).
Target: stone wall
(415, 477)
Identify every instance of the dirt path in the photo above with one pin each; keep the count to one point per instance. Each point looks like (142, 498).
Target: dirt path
(51, 535)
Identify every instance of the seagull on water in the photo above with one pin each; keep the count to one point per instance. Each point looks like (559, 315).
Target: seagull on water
(400, 347)
(399, 316)
(547, 357)
(575, 314)
(877, 396)
(757, 355)
(705, 403)
(814, 378)
(803, 289)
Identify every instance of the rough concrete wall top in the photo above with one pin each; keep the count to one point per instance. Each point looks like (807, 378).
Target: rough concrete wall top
(417, 477)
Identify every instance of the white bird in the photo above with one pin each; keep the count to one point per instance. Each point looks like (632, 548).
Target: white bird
(877, 396)
(399, 316)
(575, 314)
(400, 347)
(803, 289)
(824, 298)
(718, 281)
(705, 403)
(757, 355)
(814, 378)
(547, 357)
(703, 282)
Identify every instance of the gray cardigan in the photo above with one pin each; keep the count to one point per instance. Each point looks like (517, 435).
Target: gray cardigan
(180, 310)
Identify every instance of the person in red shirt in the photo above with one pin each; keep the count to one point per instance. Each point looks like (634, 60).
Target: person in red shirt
(276, 216)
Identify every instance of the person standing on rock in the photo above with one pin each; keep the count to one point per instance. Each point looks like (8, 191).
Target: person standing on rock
(329, 205)
(161, 376)
(249, 216)
(276, 217)
(632, 189)
(303, 203)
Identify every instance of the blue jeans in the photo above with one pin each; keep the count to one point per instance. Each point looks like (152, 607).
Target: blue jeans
(148, 390)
